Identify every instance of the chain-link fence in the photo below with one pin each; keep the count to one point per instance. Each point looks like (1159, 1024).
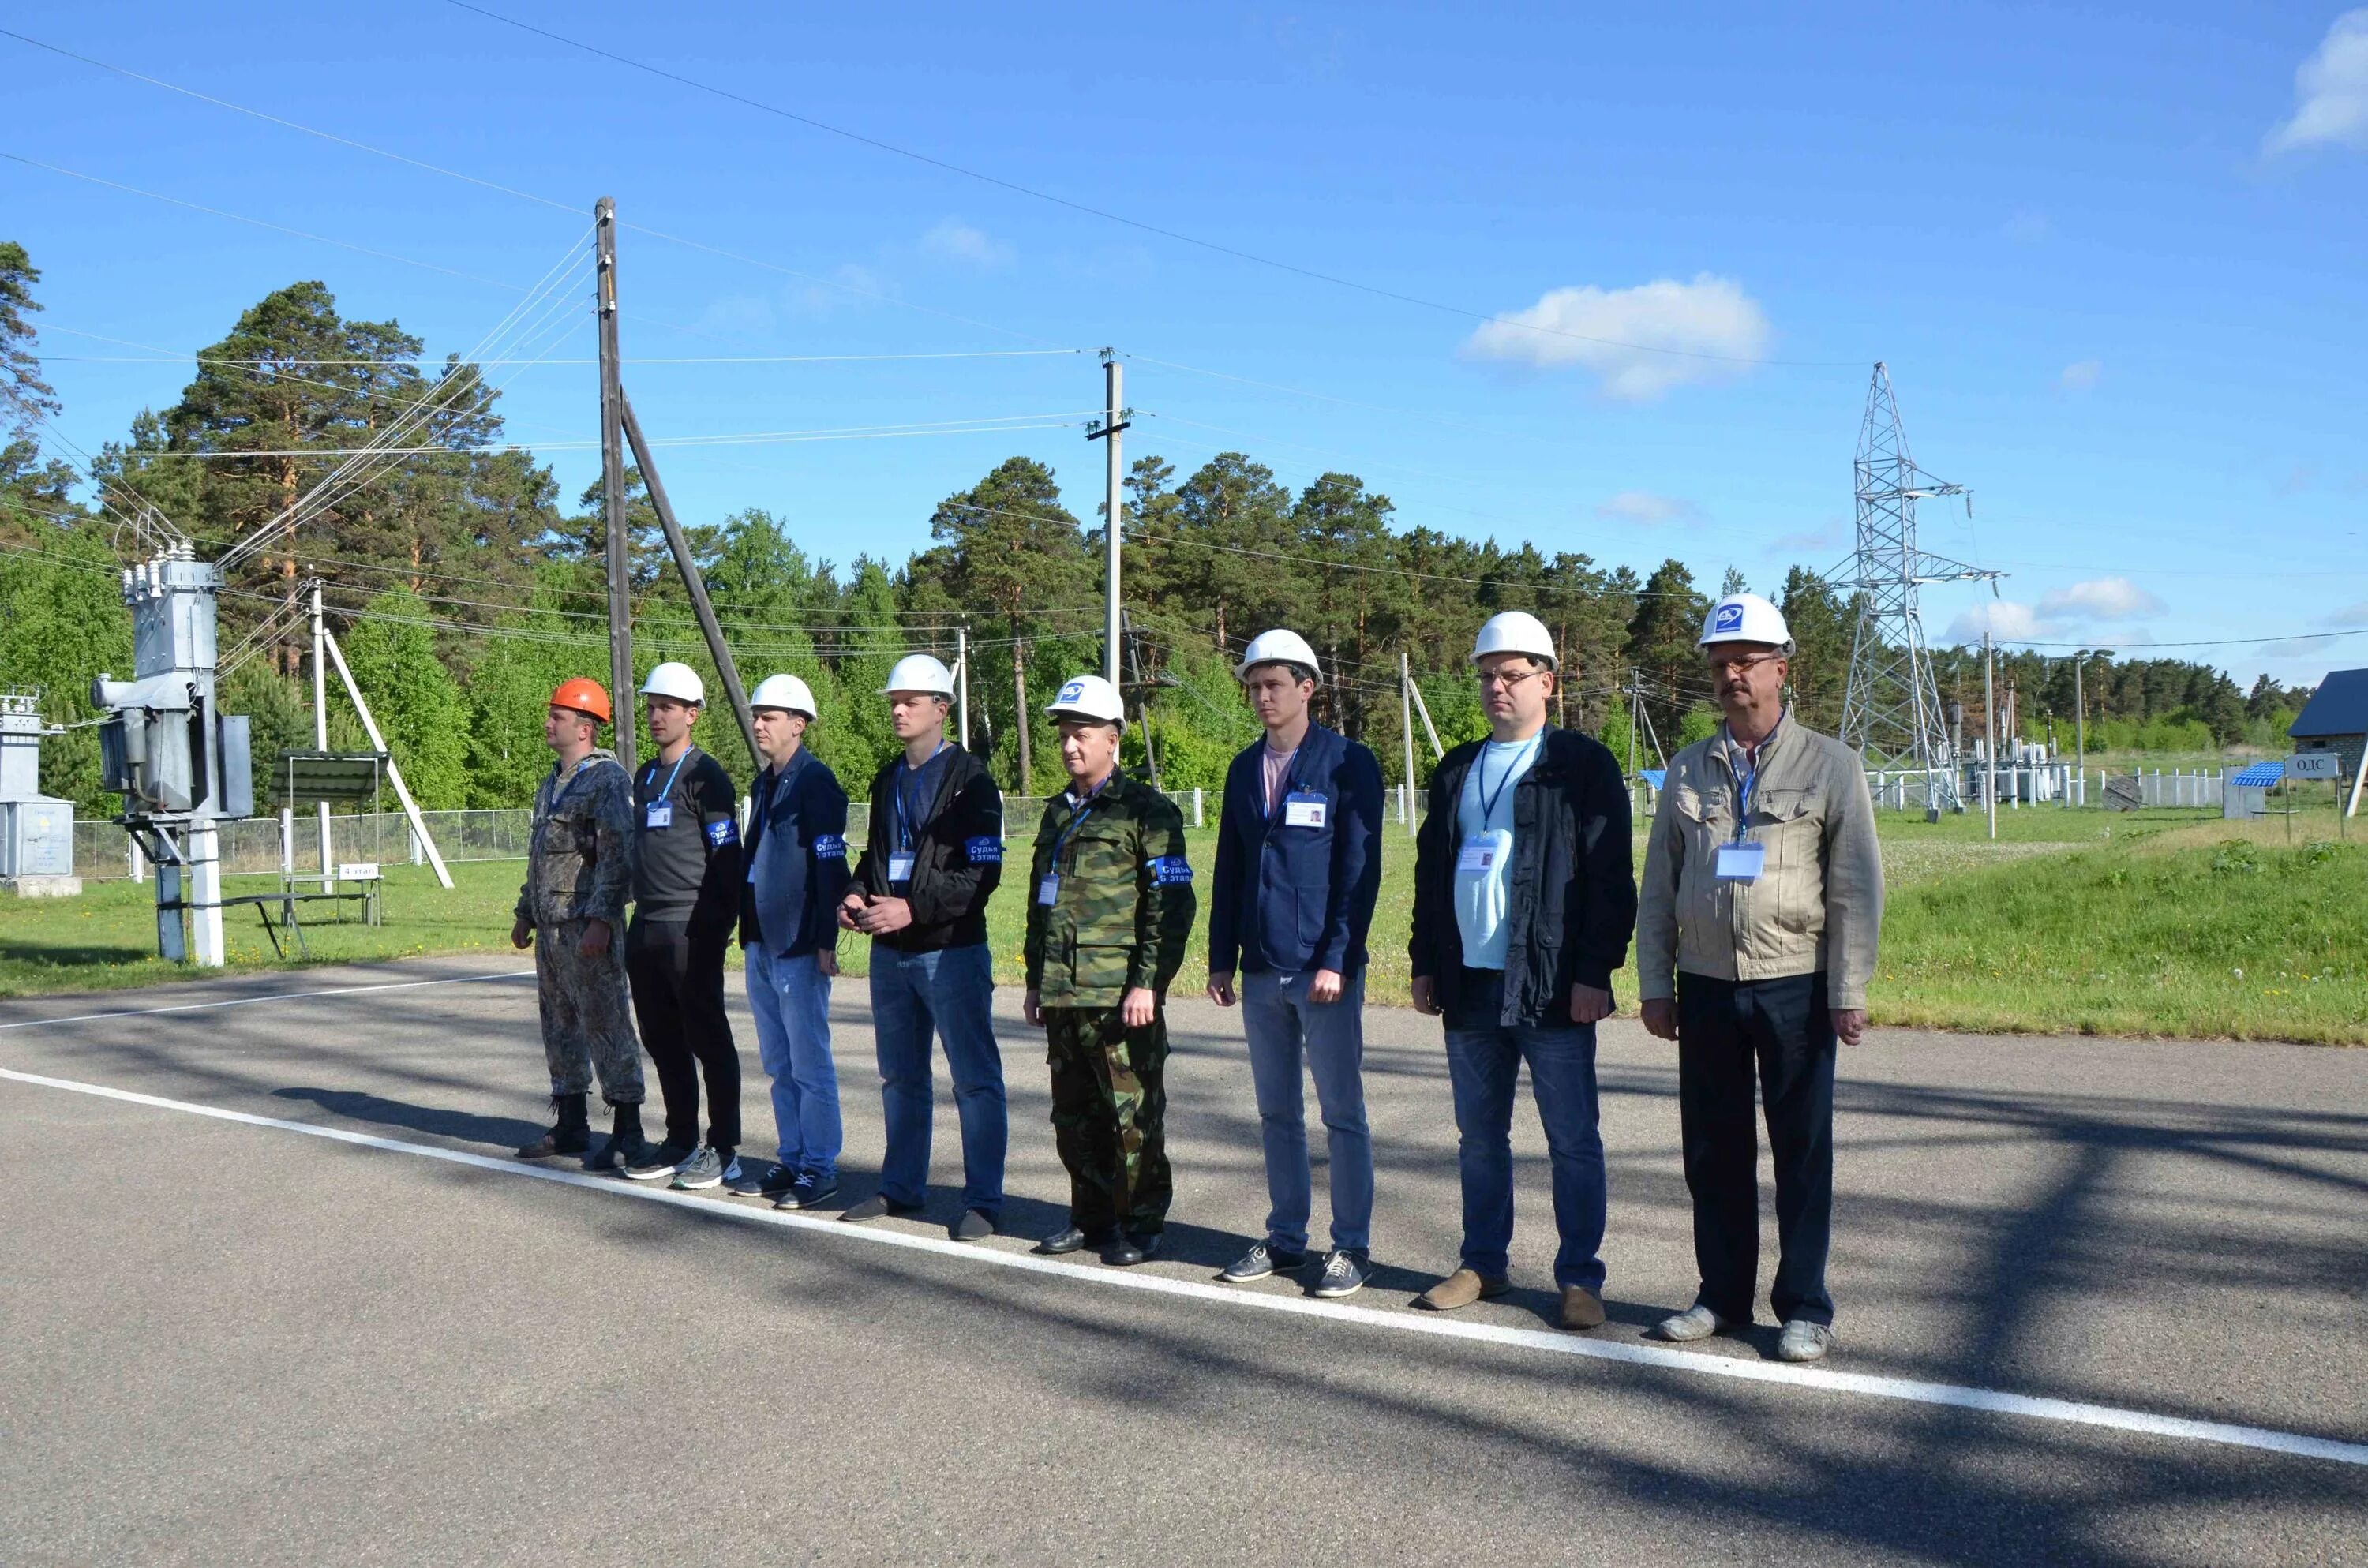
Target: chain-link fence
(260, 846)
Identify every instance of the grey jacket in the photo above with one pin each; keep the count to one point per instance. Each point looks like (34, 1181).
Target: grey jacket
(1818, 905)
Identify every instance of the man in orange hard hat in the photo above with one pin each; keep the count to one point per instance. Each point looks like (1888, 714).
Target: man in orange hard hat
(579, 874)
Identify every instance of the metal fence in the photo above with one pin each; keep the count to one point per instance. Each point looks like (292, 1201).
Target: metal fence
(256, 845)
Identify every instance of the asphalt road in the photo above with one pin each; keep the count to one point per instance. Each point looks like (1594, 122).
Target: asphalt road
(225, 1341)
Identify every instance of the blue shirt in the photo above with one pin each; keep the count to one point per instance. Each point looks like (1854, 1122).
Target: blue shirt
(1483, 826)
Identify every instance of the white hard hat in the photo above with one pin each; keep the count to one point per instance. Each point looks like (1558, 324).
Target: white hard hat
(1279, 647)
(918, 672)
(677, 681)
(1745, 617)
(787, 693)
(1516, 631)
(1089, 697)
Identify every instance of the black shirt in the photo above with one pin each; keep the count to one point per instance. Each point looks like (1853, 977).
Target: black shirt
(686, 859)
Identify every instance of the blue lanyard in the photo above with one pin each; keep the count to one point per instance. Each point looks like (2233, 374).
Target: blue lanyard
(1480, 770)
(1743, 780)
(652, 773)
(905, 814)
(1085, 810)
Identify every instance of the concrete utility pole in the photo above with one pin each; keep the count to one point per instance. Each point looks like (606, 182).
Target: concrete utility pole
(612, 485)
(1990, 725)
(1106, 430)
(321, 728)
(962, 684)
(2080, 723)
(1405, 722)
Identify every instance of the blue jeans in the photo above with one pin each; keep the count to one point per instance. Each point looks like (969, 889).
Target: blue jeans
(1283, 1024)
(790, 998)
(951, 993)
(1483, 1062)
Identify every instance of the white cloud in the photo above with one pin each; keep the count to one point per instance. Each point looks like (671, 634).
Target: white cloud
(850, 286)
(2330, 91)
(2351, 615)
(1826, 538)
(2004, 619)
(1638, 341)
(2081, 375)
(2101, 598)
(1646, 509)
(957, 241)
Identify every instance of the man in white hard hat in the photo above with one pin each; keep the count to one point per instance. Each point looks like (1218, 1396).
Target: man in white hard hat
(1299, 867)
(687, 877)
(789, 935)
(1525, 895)
(1763, 896)
(1106, 934)
(933, 857)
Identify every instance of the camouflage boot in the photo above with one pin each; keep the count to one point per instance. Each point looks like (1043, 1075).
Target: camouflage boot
(571, 1135)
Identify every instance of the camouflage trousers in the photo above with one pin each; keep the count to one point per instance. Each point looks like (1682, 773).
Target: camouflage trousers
(587, 1024)
(1110, 1117)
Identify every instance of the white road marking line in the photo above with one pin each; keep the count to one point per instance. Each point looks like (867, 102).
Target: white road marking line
(2113, 1417)
(274, 996)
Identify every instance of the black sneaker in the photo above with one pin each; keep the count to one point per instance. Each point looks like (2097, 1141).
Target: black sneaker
(707, 1168)
(1259, 1262)
(1345, 1274)
(768, 1180)
(807, 1190)
(662, 1160)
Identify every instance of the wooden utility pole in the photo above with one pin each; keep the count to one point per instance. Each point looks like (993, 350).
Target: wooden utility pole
(612, 485)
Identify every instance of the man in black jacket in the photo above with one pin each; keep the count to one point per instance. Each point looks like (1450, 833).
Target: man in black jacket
(934, 854)
(1525, 897)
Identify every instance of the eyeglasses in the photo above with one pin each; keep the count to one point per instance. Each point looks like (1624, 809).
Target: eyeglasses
(1721, 663)
(1506, 679)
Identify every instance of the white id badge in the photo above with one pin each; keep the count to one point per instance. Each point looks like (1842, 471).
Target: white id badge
(1303, 810)
(658, 814)
(1477, 856)
(1741, 862)
(1048, 891)
(900, 868)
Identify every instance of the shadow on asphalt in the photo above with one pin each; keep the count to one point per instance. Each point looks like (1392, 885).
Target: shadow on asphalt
(500, 1132)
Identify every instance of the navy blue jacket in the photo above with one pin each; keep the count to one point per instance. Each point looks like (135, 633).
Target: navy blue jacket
(797, 858)
(1298, 899)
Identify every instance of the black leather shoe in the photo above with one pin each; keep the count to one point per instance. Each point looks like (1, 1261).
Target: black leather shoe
(1130, 1249)
(880, 1204)
(1073, 1240)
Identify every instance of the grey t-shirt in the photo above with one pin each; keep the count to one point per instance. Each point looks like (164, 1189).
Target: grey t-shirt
(685, 844)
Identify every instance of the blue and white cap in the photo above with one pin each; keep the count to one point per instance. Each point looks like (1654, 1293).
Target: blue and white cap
(1089, 697)
(1745, 617)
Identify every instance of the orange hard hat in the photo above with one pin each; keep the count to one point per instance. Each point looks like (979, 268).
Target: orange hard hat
(584, 696)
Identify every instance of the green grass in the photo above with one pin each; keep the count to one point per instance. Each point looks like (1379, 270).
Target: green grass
(2089, 921)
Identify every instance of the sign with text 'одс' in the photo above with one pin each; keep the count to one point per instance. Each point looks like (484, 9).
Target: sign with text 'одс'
(2315, 765)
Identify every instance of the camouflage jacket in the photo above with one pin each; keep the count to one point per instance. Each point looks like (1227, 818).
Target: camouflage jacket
(581, 864)
(1123, 904)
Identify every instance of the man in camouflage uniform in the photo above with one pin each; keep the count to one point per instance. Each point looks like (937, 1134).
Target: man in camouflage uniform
(1111, 906)
(579, 875)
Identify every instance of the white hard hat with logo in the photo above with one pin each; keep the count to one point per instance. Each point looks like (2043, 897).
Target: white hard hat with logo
(1745, 617)
(1089, 697)
(1279, 647)
(1516, 631)
(787, 693)
(918, 672)
(677, 681)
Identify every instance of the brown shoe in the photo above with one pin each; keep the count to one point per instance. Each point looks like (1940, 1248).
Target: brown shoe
(1460, 1289)
(1581, 1308)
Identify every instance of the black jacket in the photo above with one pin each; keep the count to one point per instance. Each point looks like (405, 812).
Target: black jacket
(957, 854)
(1296, 899)
(797, 858)
(1573, 888)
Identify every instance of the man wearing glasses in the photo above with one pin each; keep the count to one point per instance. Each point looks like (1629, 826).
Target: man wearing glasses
(1763, 895)
(1524, 899)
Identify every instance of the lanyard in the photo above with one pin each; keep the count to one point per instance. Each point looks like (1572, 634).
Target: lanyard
(669, 792)
(905, 814)
(1745, 779)
(1480, 770)
(1086, 809)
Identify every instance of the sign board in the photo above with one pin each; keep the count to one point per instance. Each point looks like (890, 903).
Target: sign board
(358, 872)
(2315, 765)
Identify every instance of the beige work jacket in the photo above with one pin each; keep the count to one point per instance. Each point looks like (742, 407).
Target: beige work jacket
(1818, 905)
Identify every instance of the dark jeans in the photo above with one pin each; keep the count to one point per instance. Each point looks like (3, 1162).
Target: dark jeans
(1484, 1065)
(677, 980)
(1781, 1028)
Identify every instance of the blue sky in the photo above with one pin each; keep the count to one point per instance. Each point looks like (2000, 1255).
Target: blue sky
(2113, 257)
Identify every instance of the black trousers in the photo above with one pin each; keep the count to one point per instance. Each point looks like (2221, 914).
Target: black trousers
(1781, 1028)
(677, 980)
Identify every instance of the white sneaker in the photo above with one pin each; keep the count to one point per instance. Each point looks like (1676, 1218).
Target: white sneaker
(1805, 1341)
(1694, 1322)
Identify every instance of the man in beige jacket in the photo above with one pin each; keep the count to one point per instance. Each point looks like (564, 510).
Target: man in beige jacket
(1762, 901)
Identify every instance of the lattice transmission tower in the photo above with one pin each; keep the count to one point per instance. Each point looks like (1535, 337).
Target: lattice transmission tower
(1892, 710)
